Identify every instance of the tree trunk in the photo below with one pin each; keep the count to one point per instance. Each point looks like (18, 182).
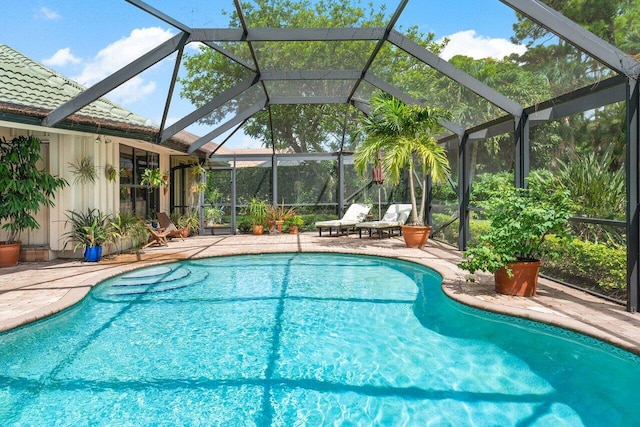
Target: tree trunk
(412, 192)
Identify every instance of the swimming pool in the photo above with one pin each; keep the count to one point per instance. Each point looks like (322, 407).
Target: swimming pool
(302, 339)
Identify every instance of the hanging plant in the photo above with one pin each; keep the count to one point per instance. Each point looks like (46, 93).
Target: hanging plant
(110, 172)
(84, 171)
(197, 171)
(154, 178)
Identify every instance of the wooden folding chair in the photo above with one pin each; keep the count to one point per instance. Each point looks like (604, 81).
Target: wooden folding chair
(166, 223)
(156, 238)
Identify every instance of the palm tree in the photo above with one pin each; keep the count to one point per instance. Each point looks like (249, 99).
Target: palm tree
(404, 135)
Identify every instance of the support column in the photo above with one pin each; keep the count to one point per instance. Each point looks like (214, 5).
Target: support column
(633, 195)
(428, 200)
(522, 152)
(274, 179)
(233, 199)
(340, 184)
(464, 190)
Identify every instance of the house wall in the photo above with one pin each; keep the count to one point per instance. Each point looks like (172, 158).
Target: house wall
(61, 148)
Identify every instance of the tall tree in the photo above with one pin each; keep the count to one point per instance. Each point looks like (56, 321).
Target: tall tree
(302, 128)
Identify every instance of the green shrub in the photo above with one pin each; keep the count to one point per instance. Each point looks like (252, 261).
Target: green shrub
(601, 268)
(477, 228)
(243, 224)
(487, 185)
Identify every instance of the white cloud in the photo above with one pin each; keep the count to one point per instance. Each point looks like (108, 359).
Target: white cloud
(61, 58)
(470, 44)
(117, 55)
(48, 14)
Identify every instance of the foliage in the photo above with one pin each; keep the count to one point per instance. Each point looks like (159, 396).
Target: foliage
(90, 228)
(243, 223)
(257, 211)
(302, 128)
(84, 171)
(488, 185)
(295, 220)
(404, 136)
(129, 225)
(110, 172)
(153, 178)
(596, 184)
(477, 228)
(280, 212)
(567, 68)
(24, 188)
(214, 214)
(190, 219)
(612, 20)
(521, 219)
(599, 267)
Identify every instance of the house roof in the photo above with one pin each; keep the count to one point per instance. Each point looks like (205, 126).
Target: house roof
(29, 91)
(26, 84)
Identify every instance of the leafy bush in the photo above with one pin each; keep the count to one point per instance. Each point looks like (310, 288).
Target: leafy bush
(596, 185)
(521, 219)
(599, 267)
(477, 228)
(90, 228)
(129, 225)
(244, 224)
(487, 185)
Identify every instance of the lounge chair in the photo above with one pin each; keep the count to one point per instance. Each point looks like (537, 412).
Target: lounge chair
(156, 237)
(167, 225)
(355, 214)
(393, 220)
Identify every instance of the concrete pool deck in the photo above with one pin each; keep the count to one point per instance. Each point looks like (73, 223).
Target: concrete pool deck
(31, 291)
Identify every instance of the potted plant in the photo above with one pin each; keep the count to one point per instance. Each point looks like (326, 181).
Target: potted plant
(399, 137)
(91, 230)
(213, 215)
(24, 189)
(277, 215)
(154, 178)
(188, 222)
(128, 226)
(110, 172)
(294, 223)
(257, 211)
(511, 249)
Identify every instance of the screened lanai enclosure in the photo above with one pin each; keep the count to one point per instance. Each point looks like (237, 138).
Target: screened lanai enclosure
(297, 76)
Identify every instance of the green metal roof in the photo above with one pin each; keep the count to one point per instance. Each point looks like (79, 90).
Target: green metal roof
(26, 84)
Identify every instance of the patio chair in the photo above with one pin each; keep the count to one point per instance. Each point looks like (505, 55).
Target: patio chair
(166, 224)
(156, 237)
(392, 221)
(355, 214)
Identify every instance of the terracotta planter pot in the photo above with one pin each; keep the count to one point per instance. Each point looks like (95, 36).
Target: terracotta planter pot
(279, 224)
(524, 280)
(258, 229)
(272, 226)
(416, 236)
(293, 229)
(185, 232)
(9, 254)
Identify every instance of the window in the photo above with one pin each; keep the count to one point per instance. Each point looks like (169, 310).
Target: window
(134, 197)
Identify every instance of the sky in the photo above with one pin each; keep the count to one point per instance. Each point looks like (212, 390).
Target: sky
(88, 40)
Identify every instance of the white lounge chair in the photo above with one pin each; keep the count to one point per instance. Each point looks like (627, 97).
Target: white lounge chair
(354, 215)
(392, 221)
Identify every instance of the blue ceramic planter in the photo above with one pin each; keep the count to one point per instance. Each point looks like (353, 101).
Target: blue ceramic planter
(92, 253)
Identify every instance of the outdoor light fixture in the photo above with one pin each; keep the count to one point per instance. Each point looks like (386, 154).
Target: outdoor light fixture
(102, 138)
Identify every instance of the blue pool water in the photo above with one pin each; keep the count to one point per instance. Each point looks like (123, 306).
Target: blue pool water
(303, 339)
